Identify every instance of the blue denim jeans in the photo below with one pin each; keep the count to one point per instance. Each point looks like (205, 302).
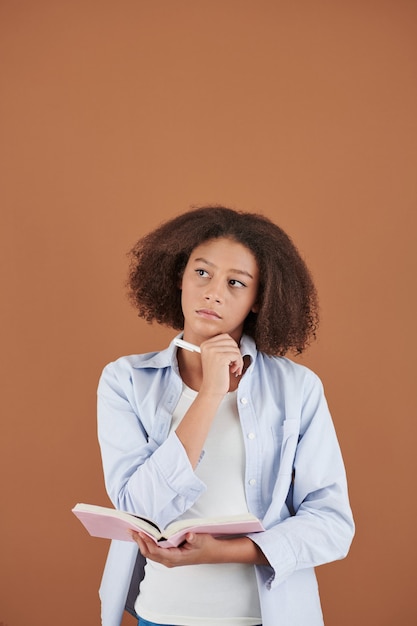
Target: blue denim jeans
(144, 622)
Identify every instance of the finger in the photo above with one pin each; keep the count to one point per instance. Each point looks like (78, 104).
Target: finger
(220, 341)
(223, 345)
(136, 537)
(145, 544)
(236, 365)
(229, 357)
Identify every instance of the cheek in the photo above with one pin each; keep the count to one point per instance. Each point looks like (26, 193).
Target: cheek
(185, 294)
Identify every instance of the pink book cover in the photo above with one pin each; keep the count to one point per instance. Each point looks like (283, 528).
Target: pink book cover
(112, 524)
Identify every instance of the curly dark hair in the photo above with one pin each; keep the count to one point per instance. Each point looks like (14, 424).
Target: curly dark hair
(288, 309)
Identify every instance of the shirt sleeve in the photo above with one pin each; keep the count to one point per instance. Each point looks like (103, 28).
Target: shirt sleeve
(321, 526)
(143, 477)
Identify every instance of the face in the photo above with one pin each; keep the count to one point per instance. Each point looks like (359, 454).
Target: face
(219, 289)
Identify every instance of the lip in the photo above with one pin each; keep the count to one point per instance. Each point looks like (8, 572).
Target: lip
(208, 314)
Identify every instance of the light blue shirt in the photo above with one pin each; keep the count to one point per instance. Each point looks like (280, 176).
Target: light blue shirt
(295, 479)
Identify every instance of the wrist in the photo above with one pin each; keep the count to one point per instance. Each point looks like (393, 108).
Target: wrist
(210, 395)
(240, 550)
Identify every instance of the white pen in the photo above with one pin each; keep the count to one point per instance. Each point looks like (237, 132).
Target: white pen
(186, 345)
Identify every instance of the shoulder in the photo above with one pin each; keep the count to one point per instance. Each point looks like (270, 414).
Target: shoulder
(131, 361)
(147, 360)
(124, 369)
(287, 373)
(286, 369)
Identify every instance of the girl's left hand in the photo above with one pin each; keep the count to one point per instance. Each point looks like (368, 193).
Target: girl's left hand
(197, 549)
(202, 548)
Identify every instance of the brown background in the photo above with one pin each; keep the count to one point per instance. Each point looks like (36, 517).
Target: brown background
(118, 115)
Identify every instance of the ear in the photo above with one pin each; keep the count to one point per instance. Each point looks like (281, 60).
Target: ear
(256, 307)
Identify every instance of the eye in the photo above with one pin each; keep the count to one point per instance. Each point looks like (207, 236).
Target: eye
(236, 283)
(202, 273)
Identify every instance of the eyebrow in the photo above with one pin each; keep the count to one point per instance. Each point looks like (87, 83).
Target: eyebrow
(235, 271)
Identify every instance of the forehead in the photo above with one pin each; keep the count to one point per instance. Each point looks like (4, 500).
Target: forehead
(226, 252)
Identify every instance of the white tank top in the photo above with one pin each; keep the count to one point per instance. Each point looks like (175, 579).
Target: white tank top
(206, 595)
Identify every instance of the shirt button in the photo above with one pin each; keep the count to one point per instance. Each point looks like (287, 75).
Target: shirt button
(244, 401)
(251, 435)
(252, 482)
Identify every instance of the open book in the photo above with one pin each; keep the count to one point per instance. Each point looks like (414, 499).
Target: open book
(109, 523)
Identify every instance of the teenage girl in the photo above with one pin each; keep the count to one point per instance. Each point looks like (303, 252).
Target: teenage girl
(235, 427)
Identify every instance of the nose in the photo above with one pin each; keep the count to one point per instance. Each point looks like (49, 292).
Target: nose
(214, 291)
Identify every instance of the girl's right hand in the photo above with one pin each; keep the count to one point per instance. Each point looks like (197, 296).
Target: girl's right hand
(220, 357)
